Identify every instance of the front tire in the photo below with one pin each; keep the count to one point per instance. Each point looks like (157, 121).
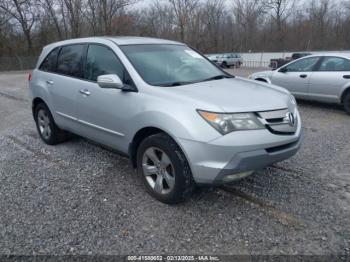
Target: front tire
(346, 102)
(163, 168)
(49, 132)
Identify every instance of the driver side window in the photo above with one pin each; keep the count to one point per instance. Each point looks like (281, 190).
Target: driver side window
(303, 65)
(101, 60)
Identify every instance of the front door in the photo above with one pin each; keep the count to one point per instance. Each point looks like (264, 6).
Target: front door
(296, 76)
(103, 112)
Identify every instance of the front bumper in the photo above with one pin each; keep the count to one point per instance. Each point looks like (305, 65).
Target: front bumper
(238, 152)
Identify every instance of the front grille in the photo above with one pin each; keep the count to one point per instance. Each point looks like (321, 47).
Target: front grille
(279, 121)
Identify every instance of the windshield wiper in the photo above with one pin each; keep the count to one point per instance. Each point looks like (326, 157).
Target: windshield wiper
(218, 77)
(176, 84)
(180, 83)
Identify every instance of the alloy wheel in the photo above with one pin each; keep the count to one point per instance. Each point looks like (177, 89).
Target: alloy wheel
(158, 170)
(44, 124)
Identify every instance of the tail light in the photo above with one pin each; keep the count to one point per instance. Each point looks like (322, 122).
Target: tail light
(30, 76)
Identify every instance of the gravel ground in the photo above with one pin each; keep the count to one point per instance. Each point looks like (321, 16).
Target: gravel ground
(78, 198)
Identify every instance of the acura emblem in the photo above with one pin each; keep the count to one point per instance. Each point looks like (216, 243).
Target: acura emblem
(290, 118)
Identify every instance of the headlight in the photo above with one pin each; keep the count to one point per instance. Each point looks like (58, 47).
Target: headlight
(226, 123)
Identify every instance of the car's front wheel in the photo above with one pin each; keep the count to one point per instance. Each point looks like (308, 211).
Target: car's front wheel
(224, 65)
(346, 102)
(49, 132)
(164, 169)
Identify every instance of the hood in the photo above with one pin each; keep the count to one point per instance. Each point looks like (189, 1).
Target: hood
(235, 95)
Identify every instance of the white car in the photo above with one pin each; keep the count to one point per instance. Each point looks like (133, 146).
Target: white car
(324, 78)
(230, 59)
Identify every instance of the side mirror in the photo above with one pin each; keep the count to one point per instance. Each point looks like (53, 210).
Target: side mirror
(283, 70)
(110, 81)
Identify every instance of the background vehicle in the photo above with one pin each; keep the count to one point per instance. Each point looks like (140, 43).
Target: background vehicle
(324, 78)
(229, 59)
(166, 107)
(278, 62)
(213, 58)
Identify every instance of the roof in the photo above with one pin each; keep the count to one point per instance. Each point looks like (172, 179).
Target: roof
(134, 40)
(119, 40)
(340, 54)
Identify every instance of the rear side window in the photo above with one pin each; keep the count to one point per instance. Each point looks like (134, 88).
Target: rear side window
(101, 60)
(70, 60)
(49, 63)
(335, 64)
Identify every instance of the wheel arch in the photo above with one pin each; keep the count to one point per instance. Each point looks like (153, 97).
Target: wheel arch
(139, 136)
(262, 79)
(344, 93)
(35, 102)
(142, 134)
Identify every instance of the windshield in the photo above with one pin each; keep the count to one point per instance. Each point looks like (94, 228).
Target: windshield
(171, 65)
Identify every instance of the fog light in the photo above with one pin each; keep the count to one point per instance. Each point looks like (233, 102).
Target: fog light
(237, 176)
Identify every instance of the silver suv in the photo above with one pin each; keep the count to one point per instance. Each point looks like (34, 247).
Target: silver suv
(180, 119)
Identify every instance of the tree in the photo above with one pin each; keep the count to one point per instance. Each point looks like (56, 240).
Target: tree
(212, 16)
(71, 11)
(183, 10)
(280, 11)
(248, 15)
(102, 13)
(25, 12)
(49, 8)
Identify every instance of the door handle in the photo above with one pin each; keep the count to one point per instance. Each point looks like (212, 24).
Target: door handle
(346, 76)
(85, 92)
(303, 76)
(49, 82)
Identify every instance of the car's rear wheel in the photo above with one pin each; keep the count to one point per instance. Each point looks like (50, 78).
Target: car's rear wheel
(346, 102)
(224, 65)
(164, 169)
(49, 132)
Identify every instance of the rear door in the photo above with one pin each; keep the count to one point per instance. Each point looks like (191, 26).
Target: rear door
(296, 76)
(66, 83)
(330, 78)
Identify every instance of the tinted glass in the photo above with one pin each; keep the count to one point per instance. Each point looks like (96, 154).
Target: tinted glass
(70, 60)
(335, 64)
(101, 60)
(303, 65)
(49, 63)
(164, 65)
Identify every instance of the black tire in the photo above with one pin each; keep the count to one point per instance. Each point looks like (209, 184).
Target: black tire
(346, 102)
(57, 135)
(224, 65)
(184, 183)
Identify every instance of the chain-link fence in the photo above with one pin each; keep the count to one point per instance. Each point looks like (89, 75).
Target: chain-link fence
(259, 64)
(17, 63)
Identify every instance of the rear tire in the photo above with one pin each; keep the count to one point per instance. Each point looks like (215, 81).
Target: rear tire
(49, 132)
(164, 169)
(346, 102)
